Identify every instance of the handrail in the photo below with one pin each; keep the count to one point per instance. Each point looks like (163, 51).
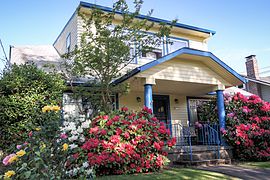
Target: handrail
(210, 136)
(183, 137)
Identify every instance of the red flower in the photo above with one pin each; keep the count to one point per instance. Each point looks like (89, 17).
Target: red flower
(75, 156)
(30, 133)
(237, 142)
(124, 109)
(90, 144)
(94, 130)
(126, 135)
(157, 146)
(109, 122)
(132, 165)
(171, 142)
(118, 131)
(103, 132)
(115, 139)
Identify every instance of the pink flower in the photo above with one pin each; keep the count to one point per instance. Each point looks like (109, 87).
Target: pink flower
(63, 136)
(157, 146)
(237, 142)
(30, 133)
(6, 159)
(19, 146)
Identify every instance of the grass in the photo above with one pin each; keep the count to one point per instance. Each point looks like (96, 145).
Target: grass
(260, 165)
(172, 173)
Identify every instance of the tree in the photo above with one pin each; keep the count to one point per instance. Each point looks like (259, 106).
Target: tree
(24, 90)
(105, 50)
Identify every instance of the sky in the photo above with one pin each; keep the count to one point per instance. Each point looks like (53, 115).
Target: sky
(242, 26)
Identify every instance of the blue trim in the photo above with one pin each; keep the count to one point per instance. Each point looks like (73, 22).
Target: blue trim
(221, 108)
(65, 26)
(148, 96)
(153, 19)
(179, 52)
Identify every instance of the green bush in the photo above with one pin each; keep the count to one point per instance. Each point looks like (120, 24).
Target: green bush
(24, 90)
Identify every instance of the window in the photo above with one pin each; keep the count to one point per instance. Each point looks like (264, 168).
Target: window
(68, 42)
(154, 54)
(176, 44)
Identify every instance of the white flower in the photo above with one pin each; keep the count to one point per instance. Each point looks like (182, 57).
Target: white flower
(73, 138)
(86, 124)
(72, 146)
(74, 132)
(85, 164)
(80, 130)
(82, 138)
(89, 171)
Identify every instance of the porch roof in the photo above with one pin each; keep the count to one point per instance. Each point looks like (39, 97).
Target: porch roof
(182, 51)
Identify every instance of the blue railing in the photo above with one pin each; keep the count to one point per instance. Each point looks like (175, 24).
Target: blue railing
(206, 135)
(183, 137)
(209, 134)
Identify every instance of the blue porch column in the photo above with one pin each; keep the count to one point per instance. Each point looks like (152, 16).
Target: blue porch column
(148, 96)
(221, 108)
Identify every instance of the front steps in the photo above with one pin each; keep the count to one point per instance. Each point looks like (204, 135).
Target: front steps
(201, 155)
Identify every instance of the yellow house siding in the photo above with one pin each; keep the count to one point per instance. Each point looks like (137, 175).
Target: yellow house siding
(178, 110)
(184, 70)
(70, 28)
(129, 100)
(179, 113)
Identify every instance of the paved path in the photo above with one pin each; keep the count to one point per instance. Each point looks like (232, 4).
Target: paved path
(239, 172)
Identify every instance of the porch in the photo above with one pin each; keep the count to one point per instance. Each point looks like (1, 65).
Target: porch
(166, 85)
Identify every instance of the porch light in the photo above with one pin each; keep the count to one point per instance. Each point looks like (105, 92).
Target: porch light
(176, 101)
(138, 99)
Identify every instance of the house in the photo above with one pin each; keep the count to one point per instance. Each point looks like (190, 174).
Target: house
(255, 83)
(172, 80)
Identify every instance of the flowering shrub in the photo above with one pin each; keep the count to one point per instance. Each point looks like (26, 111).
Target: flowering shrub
(24, 90)
(43, 155)
(248, 126)
(126, 142)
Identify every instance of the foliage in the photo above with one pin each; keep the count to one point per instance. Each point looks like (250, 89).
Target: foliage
(205, 111)
(125, 142)
(248, 126)
(40, 156)
(107, 46)
(24, 90)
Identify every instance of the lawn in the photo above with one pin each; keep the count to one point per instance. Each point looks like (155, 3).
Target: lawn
(172, 173)
(261, 165)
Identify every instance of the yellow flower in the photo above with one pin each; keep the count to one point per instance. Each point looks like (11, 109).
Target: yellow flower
(13, 158)
(8, 174)
(38, 129)
(65, 147)
(46, 108)
(21, 153)
(55, 108)
(42, 146)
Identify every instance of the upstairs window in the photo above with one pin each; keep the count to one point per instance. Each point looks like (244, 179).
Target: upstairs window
(176, 44)
(68, 43)
(154, 54)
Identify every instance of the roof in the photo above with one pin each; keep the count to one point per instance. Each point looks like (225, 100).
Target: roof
(39, 54)
(181, 51)
(263, 80)
(233, 90)
(153, 19)
(28, 53)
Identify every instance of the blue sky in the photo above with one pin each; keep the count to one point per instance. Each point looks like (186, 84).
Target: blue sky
(242, 26)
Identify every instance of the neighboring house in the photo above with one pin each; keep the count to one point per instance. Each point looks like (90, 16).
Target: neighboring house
(256, 84)
(173, 79)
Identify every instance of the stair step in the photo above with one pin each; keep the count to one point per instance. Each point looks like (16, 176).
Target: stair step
(204, 162)
(199, 156)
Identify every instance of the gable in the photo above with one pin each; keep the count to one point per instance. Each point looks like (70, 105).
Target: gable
(184, 70)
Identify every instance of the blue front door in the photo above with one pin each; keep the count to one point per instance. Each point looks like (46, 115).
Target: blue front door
(161, 108)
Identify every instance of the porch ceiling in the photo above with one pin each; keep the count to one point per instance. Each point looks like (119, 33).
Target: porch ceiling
(173, 87)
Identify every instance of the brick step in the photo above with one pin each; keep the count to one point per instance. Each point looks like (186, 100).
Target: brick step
(207, 155)
(204, 162)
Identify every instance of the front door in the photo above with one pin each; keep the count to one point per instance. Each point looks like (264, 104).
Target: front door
(161, 108)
